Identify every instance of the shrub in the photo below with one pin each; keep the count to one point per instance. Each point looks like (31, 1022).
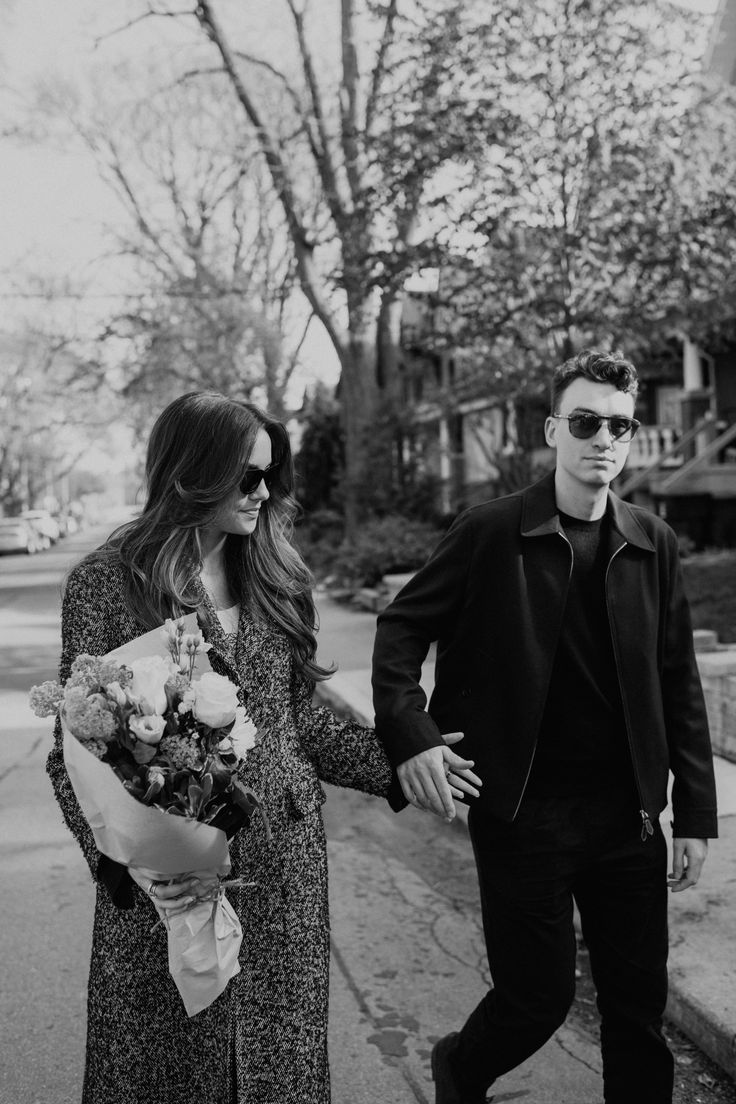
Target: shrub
(384, 545)
(317, 535)
(710, 584)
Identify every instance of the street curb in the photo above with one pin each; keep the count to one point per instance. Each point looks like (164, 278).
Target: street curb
(716, 1039)
(697, 1022)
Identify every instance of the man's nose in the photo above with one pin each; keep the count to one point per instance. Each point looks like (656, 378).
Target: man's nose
(604, 437)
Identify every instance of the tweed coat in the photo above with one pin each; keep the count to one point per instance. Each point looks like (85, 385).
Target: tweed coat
(264, 1040)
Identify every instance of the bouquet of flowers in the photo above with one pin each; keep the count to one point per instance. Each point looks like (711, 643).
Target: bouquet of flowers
(153, 755)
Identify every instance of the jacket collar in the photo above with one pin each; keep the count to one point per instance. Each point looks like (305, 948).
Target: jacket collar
(539, 515)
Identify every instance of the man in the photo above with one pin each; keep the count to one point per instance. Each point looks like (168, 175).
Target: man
(565, 655)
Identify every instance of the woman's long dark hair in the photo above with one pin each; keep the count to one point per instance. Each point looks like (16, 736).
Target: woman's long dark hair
(197, 455)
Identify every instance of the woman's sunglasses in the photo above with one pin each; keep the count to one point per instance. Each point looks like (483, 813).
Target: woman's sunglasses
(254, 476)
(584, 425)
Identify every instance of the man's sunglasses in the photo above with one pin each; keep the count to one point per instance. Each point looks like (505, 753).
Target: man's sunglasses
(584, 425)
(254, 476)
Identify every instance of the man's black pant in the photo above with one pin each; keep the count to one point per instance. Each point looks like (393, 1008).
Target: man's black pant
(559, 849)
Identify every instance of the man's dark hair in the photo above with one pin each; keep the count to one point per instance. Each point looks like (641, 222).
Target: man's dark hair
(599, 367)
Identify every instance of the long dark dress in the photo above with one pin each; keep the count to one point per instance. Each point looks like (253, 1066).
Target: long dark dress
(264, 1040)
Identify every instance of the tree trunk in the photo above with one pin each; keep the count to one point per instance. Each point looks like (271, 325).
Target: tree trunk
(388, 345)
(359, 395)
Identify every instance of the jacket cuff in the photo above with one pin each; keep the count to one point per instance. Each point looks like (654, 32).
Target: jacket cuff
(407, 738)
(395, 795)
(695, 825)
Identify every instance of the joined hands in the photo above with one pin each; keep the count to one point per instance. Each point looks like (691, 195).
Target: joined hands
(432, 779)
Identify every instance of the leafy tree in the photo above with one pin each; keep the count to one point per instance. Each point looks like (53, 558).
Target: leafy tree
(610, 210)
(52, 410)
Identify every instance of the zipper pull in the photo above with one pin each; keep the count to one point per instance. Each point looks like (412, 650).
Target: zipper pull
(646, 825)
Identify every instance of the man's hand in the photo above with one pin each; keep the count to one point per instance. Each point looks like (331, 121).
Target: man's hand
(432, 778)
(688, 856)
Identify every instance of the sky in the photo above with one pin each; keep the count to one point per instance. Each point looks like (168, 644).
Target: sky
(53, 206)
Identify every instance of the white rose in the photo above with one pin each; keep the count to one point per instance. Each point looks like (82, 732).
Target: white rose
(216, 700)
(149, 728)
(243, 733)
(148, 685)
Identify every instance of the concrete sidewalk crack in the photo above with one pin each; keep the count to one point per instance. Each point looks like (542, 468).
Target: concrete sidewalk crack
(376, 1022)
(14, 766)
(575, 1057)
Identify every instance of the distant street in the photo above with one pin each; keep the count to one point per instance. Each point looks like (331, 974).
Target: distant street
(408, 959)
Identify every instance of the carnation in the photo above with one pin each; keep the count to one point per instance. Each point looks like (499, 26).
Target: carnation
(243, 733)
(113, 672)
(98, 748)
(93, 671)
(88, 716)
(46, 698)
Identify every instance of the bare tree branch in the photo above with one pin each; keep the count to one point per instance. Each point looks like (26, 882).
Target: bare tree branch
(152, 13)
(324, 157)
(379, 69)
(349, 99)
(281, 180)
(295, 354)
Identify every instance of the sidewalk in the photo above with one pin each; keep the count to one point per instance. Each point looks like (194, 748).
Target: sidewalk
(407, 947)
(406, 939)
(702, 1001)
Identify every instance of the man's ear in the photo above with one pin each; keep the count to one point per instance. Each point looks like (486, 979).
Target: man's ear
(550, 431)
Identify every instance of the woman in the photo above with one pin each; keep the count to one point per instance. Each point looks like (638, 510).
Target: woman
(214, 537)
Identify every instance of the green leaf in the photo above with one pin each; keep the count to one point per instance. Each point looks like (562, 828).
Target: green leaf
(195, 796)
(245, 799)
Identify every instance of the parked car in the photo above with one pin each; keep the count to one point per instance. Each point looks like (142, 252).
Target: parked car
(46, 525)
(19, 535)
(68, 524)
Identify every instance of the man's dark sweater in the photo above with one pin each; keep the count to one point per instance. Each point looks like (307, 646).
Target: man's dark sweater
(582, 745)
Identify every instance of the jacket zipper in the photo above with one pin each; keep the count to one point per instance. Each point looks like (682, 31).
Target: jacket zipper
(536, 739)
(646, 822)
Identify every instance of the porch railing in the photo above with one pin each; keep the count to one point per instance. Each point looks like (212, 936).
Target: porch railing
(669, 456)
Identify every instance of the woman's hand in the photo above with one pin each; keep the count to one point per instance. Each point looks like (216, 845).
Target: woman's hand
(432, 779)
(460, 777)
(170, 895)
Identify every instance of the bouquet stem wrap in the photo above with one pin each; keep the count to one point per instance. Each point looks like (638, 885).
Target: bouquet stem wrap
(203, 946)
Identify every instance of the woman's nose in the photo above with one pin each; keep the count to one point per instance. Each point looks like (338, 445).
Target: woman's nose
(261, 492)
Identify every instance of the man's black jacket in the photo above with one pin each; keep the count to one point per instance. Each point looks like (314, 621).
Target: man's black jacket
(493, 597)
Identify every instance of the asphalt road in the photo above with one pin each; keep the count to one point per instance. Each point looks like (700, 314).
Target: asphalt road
(408, 959)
